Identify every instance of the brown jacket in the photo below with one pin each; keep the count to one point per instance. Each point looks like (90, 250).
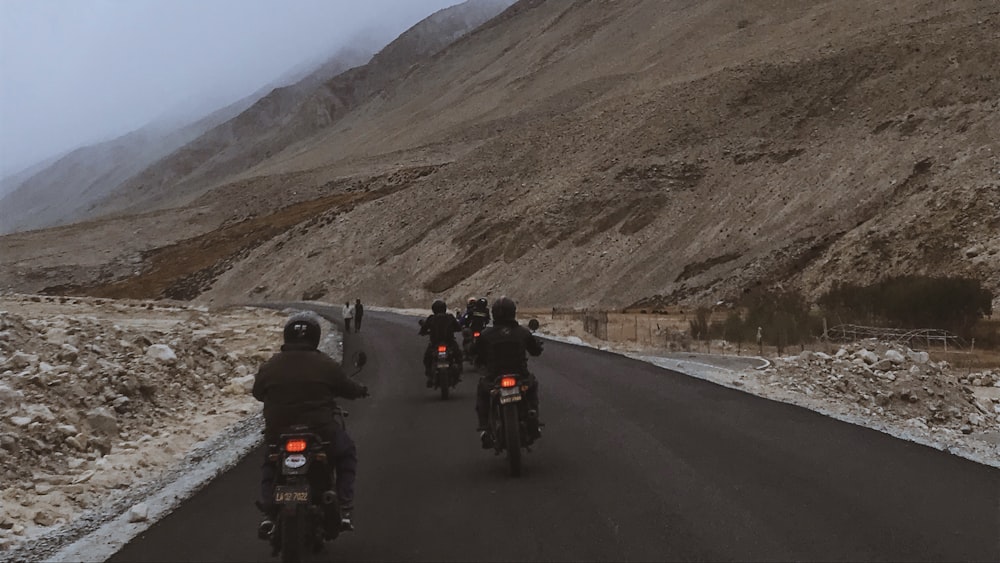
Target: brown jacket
(300, 387)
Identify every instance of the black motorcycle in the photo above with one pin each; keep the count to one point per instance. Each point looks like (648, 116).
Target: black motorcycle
(469, 339)
(447, 370)
(305, 490)
(509, 424)
(508, 420)
(305, 493)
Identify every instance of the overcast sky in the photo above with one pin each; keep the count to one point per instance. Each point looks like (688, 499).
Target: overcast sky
(73, 72)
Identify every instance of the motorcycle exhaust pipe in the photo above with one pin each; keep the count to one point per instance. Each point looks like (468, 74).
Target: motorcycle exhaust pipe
(329, 497)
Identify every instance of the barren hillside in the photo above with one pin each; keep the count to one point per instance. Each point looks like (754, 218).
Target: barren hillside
(611, 153)
(63, 191)
(289, 114)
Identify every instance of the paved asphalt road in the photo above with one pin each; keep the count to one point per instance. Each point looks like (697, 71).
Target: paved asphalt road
(637, 463)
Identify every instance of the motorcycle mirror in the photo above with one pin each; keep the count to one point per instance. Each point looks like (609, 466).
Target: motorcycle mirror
(533, 325)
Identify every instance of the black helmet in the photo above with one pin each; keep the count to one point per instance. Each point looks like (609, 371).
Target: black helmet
(303, 328)
(439, 306)
(483, 303)
(504, 309)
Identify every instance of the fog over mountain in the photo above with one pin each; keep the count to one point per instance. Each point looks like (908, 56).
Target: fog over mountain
(79, 73)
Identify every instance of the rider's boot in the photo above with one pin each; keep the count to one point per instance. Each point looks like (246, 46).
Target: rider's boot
(532, 425)
(486, 439)
(346, 523)
(484, 435)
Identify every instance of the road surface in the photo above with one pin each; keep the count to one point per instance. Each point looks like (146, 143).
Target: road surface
(636, 463)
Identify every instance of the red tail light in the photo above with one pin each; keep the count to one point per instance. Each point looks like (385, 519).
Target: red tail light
(508, 382)
(442, 348)
(295, 445)
(475, 335)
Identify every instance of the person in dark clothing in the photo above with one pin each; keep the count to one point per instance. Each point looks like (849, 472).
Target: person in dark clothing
(503, 348)
(359, 311)
(467, 314)
(480, 316)
(441, 327)
(299, 385)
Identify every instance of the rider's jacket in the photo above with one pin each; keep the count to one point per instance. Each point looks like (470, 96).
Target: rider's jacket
(300, 386)
(478, 319)
(465, 317)
(441, 327)
(504, 348)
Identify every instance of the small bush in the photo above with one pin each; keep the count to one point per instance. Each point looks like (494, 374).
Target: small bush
(949, 303)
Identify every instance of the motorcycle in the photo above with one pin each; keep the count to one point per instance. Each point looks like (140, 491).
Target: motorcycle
(510, 425)
(305, 490)
(469, 339)
(447, 370)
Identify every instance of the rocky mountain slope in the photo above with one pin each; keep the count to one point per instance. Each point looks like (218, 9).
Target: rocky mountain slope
(63, 191)
(637, 152)
(287, 115)
(69, 189)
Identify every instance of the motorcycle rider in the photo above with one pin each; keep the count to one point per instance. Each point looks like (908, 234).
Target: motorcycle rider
(475, 320)
(503, 348)
(299, 385)
(441, 326)
(480, 315)
(467, 314)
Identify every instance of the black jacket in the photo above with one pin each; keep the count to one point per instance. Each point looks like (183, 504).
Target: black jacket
(441, 327)
(300, 387)
(504, 348)
(479, 318)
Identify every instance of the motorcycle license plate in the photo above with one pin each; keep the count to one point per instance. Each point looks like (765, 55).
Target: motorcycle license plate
(291, 494)
(509, 395)
(443, 365)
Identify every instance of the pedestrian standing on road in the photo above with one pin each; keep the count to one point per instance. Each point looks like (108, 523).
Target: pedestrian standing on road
(348, 315)
(359, 311)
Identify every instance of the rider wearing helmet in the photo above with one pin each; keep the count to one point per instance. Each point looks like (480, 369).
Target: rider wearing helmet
(441, 326)
(467, 314)
(299, 385)
(504, 348)
(480, 315)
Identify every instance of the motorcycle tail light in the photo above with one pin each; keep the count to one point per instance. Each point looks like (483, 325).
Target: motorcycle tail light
(508, 382)
(475, 335)
(442, 348)
(295, 445)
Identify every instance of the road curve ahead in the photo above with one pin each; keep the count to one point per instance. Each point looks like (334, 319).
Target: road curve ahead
(637, 463)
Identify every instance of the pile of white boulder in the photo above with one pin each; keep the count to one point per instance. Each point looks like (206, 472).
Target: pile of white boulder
(98, 395)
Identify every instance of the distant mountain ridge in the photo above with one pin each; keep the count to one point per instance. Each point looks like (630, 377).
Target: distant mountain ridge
(64, 190)
(287, 115)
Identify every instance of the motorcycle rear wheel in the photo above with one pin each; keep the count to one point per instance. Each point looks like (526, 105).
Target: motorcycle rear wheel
(512, 429)
(293, 539)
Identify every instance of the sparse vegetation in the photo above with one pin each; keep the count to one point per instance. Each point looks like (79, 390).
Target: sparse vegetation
(782, 318)
(950, 303)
